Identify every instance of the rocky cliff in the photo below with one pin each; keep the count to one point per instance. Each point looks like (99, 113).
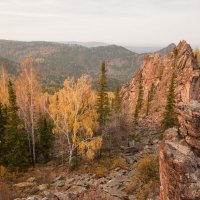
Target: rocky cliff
(179, 152)
(180, 156)
(156, 72)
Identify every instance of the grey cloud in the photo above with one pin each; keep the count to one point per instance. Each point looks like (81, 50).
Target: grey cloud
(125, 21)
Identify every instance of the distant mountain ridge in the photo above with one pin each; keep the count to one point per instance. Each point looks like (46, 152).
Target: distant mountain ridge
(166, 50)
(56, 61)
(88, 44)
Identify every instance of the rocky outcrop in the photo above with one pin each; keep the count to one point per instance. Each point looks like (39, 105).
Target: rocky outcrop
(179, 156)
(156, 72)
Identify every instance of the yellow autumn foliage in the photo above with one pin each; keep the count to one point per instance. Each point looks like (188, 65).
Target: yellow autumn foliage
(90, 148)
(3, 85)
(73, 111)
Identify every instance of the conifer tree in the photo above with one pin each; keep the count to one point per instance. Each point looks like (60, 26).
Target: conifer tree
(139, 102)
(150, 98)
(45, 137)
(169, 119)
(103, 109)
(16, 143)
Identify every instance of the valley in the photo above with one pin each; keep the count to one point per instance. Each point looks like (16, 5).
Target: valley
(56, 61)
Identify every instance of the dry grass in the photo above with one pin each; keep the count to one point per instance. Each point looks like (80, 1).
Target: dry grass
(101, 167)
(146, 180)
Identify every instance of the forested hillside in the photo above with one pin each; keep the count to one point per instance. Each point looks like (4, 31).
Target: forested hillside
(56, 61)
(11, 66)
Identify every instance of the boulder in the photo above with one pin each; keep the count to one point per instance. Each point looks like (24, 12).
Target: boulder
(43, 187)
(24, 184)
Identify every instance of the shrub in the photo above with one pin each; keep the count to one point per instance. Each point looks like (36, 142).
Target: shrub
(146, 180)
(101, 167)
(148, 191)
(147, 169)
(101, 171)
(119, 162)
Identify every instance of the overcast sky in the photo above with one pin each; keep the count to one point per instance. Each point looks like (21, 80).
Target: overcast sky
(133, 22)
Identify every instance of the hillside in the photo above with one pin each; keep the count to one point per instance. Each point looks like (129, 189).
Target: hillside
(11, 66)
(166, 50)
(56, 61)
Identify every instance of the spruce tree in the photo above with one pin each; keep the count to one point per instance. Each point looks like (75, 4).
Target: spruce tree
(45, 138)
(16, 143)
(139, 102)
(150, 98)
(103, 109)
(169, 119)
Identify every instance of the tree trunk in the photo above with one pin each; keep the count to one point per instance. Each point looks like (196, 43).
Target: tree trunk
(70, 159)
(32, 119)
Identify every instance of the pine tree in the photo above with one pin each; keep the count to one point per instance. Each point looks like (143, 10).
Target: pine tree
(169, 119)
(150, 98)
(103, 109)
(16, 143)
(139, 102)
(45, 138)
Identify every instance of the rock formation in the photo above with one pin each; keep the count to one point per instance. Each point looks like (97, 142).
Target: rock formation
(180, 150)
(156, 72)
(179, 156)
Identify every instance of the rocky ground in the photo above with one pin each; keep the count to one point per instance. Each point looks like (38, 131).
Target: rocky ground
(88, 186)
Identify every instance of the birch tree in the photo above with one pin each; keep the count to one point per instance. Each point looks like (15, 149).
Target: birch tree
(73, 112)
(29, 98)
(3, 86)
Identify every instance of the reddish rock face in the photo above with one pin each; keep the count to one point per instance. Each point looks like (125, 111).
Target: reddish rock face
(180, 150)
(157, 71)
(179, 156)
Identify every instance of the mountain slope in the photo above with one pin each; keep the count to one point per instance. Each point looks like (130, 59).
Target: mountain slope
(56, 61)
(10, 66)
(166, 50)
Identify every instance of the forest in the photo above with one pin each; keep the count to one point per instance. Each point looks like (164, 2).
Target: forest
(30, 119)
